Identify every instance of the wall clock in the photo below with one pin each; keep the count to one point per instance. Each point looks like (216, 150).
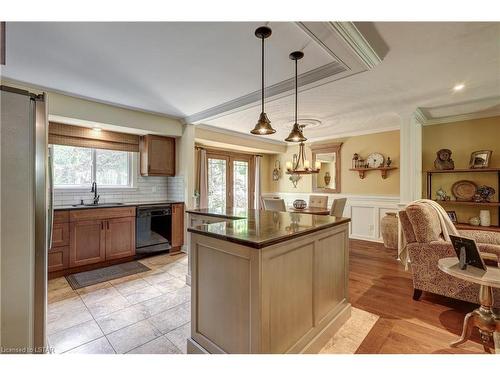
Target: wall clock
(375, 160)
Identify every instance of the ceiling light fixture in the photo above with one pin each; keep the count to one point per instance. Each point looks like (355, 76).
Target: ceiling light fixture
(263, 126)
(296, 133)
(299, 164)
(458, 87)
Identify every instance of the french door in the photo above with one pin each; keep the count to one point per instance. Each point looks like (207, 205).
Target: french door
(230, 180)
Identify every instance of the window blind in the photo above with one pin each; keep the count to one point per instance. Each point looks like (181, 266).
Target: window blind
(79, 136)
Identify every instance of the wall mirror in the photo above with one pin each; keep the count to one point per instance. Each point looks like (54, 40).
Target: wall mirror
(328, 178)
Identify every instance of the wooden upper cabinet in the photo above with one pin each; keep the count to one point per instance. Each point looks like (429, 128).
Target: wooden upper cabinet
(157, 155)
(120, 237)
(177, 225)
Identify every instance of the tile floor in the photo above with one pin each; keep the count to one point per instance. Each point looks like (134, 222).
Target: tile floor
(143, 313)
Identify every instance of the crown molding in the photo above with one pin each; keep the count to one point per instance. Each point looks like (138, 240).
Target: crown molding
(357, 42)
(233, 133)
(427, 121)
(343, 41)
(420, 116)
(304, 79)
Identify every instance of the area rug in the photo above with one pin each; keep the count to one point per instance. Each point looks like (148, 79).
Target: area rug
(87, 278)
(350, 336)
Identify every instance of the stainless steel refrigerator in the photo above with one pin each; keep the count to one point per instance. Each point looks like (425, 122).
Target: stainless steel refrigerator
(26, 220)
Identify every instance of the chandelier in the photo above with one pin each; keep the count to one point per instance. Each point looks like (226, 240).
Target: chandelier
(299, 165)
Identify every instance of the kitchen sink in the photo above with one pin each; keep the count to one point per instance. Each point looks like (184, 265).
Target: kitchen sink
(98, 204)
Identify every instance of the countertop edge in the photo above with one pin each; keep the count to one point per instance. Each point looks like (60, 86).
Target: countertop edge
(274, 241)
(221, 216)
(131, 204)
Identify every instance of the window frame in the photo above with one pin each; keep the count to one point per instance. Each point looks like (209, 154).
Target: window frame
(132, 176)
(230, 157)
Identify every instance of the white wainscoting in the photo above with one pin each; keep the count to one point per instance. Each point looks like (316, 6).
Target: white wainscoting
(365, 211)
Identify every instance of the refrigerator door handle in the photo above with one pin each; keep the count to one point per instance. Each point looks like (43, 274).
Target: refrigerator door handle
(51, 197)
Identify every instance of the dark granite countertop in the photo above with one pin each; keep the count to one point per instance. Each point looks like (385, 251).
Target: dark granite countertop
(225, 213)
(114, 205)
(259, 229)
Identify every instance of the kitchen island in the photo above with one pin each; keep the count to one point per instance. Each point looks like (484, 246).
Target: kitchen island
(267, 282)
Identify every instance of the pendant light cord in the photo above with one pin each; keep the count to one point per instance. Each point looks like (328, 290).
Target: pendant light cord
(296, 91)
(262, 75)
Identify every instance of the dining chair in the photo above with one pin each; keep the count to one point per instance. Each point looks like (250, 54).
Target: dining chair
(338, 206)
(318, 201)
(273, 204)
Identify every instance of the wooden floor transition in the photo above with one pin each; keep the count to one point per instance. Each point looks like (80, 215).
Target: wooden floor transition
(380, 285)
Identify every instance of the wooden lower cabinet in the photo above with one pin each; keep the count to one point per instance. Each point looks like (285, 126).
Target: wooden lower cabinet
(120, 237)
(177, 239)
(88, 242)
(58, 258)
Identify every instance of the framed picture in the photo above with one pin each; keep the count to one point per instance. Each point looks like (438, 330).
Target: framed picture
(480, 159)
(453, 216)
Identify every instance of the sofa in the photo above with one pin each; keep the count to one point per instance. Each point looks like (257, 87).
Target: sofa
(426, 245)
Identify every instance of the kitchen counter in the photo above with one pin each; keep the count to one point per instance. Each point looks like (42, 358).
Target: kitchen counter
(113, 205)
(259, 229)
(266, 282)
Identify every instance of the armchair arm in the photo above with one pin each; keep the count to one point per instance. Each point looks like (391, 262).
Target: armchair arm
(482, 236)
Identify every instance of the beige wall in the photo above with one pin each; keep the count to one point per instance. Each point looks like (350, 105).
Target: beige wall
(76, 111)
(387, 143)
(462, 138)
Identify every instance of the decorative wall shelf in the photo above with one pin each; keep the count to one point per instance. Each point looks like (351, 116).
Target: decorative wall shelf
(383, 171)
(468, 203)
(491, 228)
(495, 204)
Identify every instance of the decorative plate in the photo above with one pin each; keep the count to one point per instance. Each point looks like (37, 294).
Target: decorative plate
(464, 190)
(375, 160)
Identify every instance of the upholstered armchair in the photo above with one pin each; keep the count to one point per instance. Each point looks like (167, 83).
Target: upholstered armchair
(426, 245)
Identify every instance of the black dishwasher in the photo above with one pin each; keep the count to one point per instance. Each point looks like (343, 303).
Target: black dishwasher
(153, 228)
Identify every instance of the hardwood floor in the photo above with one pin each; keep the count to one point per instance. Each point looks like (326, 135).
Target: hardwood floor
(380, 285)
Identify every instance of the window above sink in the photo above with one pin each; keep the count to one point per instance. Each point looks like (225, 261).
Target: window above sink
(75, 168)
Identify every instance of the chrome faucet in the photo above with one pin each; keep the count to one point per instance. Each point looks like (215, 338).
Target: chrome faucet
(94, 190)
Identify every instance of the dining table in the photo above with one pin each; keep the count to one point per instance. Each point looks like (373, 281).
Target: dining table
(310, 210)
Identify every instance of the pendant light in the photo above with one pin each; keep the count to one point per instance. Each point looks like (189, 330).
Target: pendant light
(263, 126)
(296, 134)
(299, 164)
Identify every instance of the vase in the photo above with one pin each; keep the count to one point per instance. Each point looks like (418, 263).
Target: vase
(389, 230)
(485, 217)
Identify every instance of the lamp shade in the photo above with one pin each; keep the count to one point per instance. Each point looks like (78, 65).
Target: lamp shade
(296, 134)
(263, 126)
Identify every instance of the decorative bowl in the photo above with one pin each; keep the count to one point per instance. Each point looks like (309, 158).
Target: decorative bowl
(299, 204)
(474, 221)
(484, 193)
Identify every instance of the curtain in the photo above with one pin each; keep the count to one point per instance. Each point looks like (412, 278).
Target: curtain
(203, 178)
(258, 189)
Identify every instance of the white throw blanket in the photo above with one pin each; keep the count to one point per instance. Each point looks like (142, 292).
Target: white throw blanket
(447, 227)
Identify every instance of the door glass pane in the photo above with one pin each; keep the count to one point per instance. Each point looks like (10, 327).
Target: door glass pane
(112, 168)
(217, 183)
(240, 184)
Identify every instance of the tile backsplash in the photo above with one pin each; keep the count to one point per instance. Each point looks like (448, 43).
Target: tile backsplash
(147, 189)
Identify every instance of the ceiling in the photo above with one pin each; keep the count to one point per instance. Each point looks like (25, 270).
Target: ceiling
(186, 69)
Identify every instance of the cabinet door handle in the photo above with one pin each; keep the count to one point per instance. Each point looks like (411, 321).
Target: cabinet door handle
(102, 225)
(107, 223)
